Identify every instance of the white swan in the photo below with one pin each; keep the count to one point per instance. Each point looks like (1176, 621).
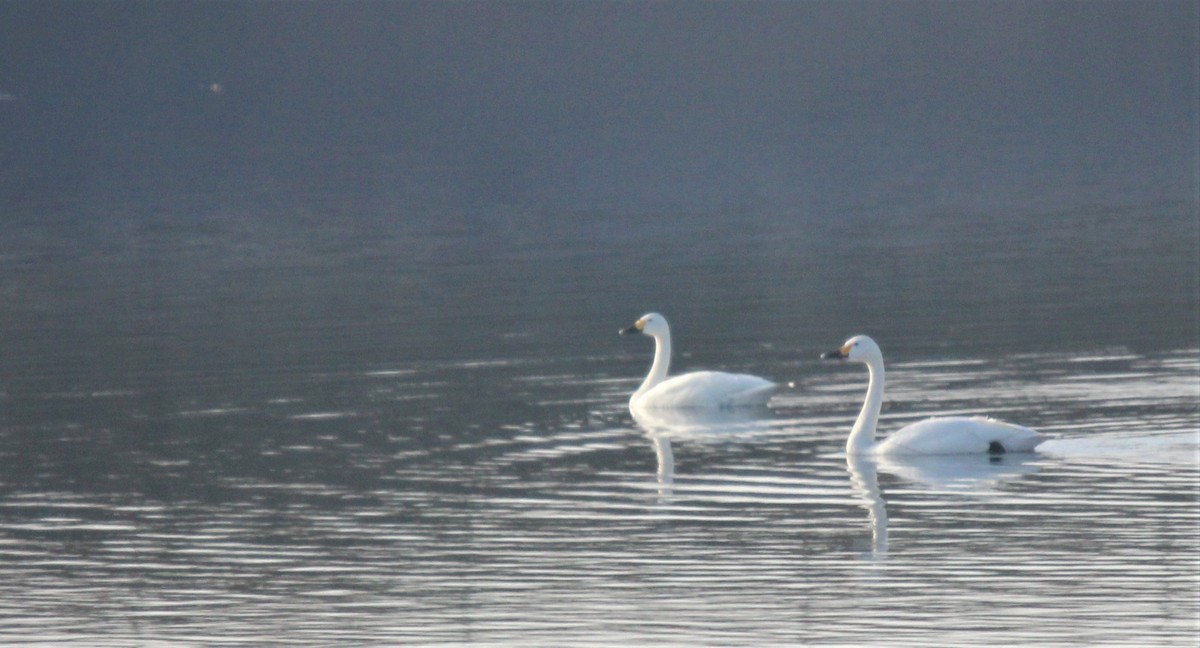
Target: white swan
(713, 389)
(939, 435)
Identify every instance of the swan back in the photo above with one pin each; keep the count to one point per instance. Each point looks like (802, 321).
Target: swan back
(959, 435)
(710, 389)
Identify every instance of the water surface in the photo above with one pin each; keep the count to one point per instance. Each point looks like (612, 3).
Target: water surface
(340, 471)
(309, 319)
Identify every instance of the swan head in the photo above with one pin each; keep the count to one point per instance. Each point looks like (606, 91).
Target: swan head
(859, 348)
(651, 324)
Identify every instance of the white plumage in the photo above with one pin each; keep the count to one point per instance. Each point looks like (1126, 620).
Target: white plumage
(706, 389)
(939, 435)
(959, 435)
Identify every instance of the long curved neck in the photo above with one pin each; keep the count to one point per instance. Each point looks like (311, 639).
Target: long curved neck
(658, 370)
(862, 436)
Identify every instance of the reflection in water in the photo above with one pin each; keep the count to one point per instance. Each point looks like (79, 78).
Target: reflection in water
(959, 473)
(319, 493)
(666, 463)
(865, 482)
(663, 425)
(701, 423)
(241, 518)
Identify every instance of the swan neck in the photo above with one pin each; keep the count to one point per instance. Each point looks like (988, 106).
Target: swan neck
(662, 362)
(862, 436)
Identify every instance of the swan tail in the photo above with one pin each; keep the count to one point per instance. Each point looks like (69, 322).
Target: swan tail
(758, 395)
(1009, 437)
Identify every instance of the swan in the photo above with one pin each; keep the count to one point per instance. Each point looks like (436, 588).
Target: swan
(934, 436)
(712, 389)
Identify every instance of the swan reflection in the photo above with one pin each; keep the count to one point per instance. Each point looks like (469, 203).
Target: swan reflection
(864, 481)
(663, 426)
(666, 463)
(956, 474)
(700, 423)
(977, 474)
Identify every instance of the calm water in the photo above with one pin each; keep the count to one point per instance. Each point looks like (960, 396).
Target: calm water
(309, 316)
(276, 429)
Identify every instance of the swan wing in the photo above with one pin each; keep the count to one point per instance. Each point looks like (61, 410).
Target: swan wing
(708, 389)
(960, 435)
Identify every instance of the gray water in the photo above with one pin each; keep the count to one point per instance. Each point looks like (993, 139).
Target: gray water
(328, 355)
(391, 437)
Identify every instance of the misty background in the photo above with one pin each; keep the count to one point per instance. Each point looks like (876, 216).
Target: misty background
(171, 173)
(627, 106)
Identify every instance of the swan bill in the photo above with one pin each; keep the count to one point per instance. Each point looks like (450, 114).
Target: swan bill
(638, 327)
(841, 354)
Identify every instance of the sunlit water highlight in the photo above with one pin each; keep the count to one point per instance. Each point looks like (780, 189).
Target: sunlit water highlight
(397, 516)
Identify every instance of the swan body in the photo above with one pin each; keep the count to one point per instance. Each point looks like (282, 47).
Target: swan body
(959, 435)
(707, 389)
(934, 436)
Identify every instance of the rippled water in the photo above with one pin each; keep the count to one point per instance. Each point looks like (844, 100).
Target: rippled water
(517, 502)
(282, 424)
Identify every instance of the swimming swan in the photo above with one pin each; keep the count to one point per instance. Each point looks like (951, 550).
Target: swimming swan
(934, 436)
(713, 389)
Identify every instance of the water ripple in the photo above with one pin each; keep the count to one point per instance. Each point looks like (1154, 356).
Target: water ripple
(398, 517)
